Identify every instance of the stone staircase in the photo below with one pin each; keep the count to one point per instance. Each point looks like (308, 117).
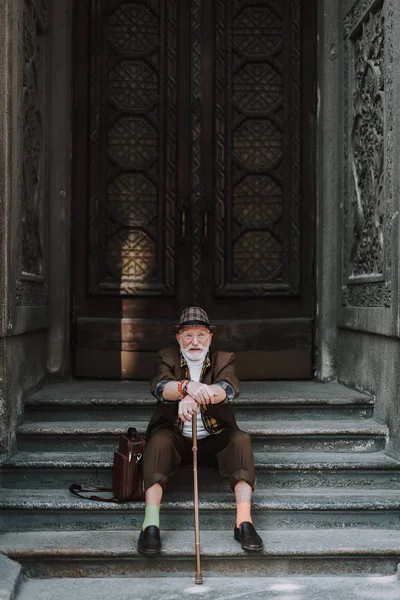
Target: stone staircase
(327, 499)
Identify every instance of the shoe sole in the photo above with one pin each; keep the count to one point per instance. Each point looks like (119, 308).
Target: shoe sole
(252, 549)
(149, 552)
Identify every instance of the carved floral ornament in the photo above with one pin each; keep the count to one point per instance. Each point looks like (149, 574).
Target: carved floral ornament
(31, 287)
(367, 151)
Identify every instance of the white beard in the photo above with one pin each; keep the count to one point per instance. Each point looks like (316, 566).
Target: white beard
(199, 357)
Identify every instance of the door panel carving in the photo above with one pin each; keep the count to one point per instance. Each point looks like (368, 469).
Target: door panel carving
(197, 162)
(258, 79)
(133, 149)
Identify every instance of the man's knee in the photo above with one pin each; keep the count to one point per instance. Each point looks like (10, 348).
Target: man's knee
(161, 441)
(241, 439)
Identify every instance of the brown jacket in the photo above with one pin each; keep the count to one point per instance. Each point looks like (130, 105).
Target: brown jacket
(169, 368)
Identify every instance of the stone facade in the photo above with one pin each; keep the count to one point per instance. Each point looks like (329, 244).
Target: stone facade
(369, 247)
(358, 183)
(368, 309)
(31, 214)
(23, 200)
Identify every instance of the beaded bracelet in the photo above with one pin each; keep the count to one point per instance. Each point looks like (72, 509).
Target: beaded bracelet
(182, 387)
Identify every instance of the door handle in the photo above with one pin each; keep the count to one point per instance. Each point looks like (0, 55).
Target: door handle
(205, 225)
(183, 222)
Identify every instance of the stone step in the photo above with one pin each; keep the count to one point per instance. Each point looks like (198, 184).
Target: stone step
(131, 401)
(111, 553)
(276, 469)
(286, 436)
(303, 508)
(244, 411)
(257, 588)
(310, 587)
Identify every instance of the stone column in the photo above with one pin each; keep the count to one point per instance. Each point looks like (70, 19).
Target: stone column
(328, 178)
(24, 205)
(10, 119)
(60, 131)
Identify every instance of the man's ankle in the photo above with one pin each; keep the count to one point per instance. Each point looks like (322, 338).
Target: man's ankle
(151, 516)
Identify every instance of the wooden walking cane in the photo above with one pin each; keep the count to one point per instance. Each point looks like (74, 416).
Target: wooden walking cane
(199, 577)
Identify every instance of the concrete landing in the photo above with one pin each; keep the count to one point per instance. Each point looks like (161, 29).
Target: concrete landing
(215, 588)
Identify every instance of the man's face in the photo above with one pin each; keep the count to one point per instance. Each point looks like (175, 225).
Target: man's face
(195, 341)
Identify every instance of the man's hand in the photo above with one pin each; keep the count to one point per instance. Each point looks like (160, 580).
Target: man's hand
(186, 408)
(201, 392)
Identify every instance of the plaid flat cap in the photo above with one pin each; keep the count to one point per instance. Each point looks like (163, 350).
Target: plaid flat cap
(194, 315)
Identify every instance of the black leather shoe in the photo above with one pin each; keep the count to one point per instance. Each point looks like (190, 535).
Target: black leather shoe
(149, 542)
(248, 537)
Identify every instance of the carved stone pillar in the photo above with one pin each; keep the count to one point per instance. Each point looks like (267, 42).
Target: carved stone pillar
(10, 118)
(32, 285)
(369, 345)
(24, 205)
(370, 207)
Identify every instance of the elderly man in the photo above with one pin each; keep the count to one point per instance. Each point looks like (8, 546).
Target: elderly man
(192, 381)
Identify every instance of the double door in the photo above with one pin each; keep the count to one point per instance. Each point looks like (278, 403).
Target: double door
(193, 180)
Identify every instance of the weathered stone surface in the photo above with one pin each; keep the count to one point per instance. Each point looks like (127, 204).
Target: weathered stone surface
(375, 360)
(368, 344)
(276, 460)
(245, 588)
(120, 544)
(281, 428)
(327, 186)
(10, 577)
(297, 492)
(363, 435)
(272, 508)
(273, 498)
(137, 392)
(131, 402)
(22, 354)
(9, 194)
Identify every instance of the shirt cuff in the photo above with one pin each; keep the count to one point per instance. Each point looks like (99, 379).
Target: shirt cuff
(230, 392)
(158, 391)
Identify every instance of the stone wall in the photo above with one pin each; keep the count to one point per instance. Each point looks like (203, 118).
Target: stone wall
(34, 117)
(23, 176)
(369, 134)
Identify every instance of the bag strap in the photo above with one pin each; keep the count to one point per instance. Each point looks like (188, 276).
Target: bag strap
(76, 489)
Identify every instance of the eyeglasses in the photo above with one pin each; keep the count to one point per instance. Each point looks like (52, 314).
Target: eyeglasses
(188, 337)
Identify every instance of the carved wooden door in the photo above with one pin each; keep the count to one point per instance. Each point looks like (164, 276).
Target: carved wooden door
(193, 180)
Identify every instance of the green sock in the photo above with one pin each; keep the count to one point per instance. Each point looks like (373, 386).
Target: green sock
(151, 516)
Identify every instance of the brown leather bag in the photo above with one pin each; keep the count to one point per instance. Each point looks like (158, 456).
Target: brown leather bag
(127, 472)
